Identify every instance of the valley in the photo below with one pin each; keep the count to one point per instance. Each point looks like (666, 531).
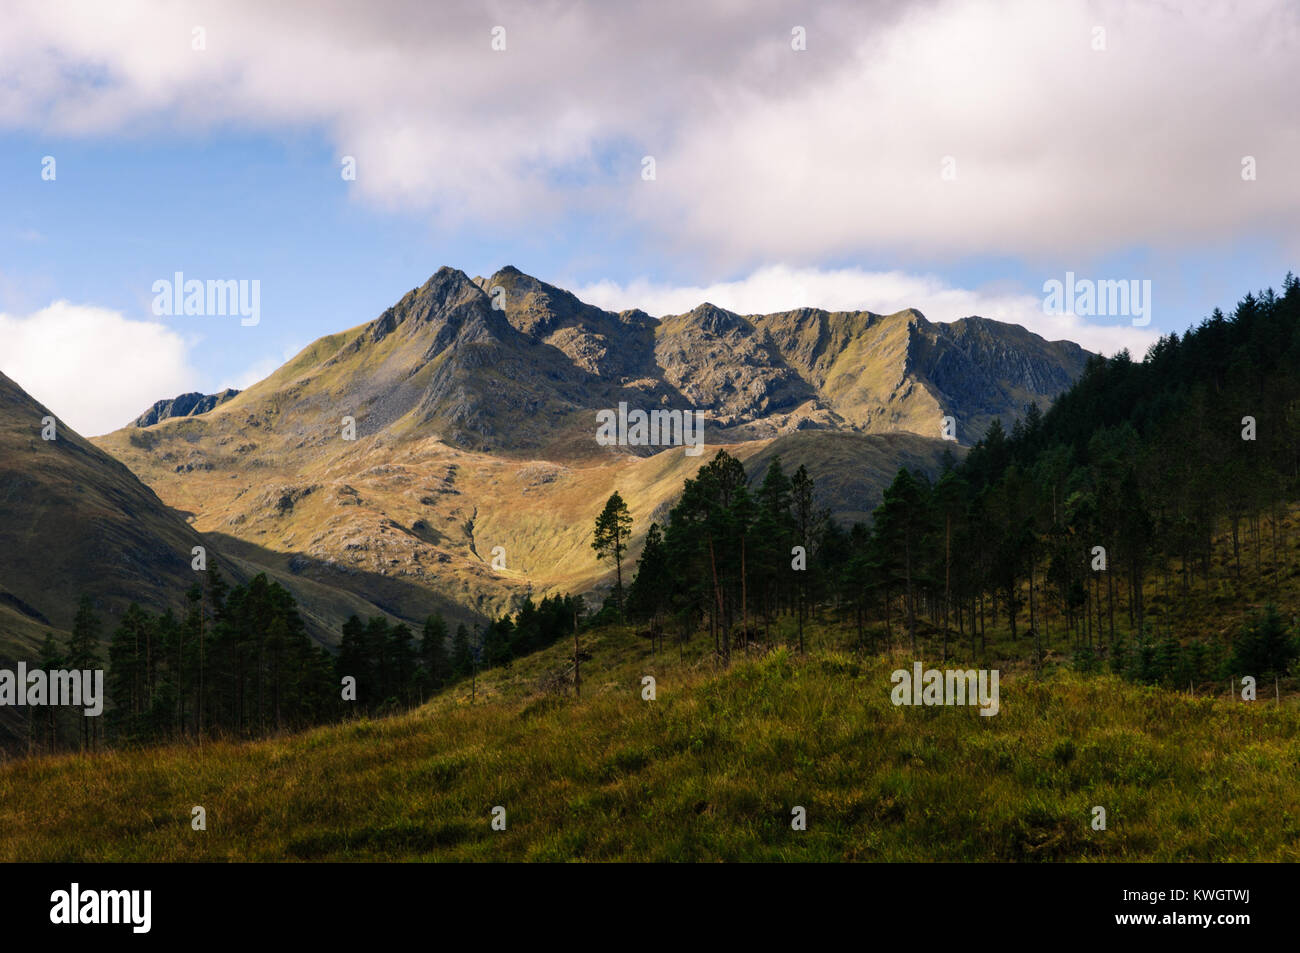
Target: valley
(479, 426)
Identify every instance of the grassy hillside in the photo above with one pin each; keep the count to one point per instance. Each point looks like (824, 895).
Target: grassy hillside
(708, 771)
(410, 526)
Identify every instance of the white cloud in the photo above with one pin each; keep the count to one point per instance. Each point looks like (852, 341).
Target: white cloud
(763, 154)
(93, 368)
(1058, 149)
(782, 288)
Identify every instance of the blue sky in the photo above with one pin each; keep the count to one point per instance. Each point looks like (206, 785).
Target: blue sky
(782, 179)
(121, 215)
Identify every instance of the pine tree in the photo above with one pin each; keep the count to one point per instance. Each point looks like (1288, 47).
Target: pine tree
(195, 632)
(51, 660)
(612, 530)
(809, 524)
(83, 651)
(128, 675)
(901, 522)
(401, 662)
(435, 664)
(462, 653)
(774, 536)
(496, 643)
(1265, 648)
(651, 591)
(378, 665)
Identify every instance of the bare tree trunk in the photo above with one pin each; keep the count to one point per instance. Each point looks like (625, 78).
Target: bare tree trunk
(947, 579)
(726, 630)
(744, 593)
(1110, 602)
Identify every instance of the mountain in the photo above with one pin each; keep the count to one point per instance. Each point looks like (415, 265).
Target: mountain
(76, 521)
(186, 405)
(761, 375)
(389, 462)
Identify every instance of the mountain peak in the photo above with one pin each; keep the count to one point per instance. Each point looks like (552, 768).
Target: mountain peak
(446, 283)
(709, 317)
(446, 273)
(444, 296)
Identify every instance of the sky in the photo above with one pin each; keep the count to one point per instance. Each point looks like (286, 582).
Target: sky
(953, 156)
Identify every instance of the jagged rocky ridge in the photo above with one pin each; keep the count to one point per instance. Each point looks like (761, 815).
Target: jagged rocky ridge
(526, 377)
(186, 405)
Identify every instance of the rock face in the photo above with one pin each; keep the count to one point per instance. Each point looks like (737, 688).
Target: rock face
(186, 405)
(759, 376)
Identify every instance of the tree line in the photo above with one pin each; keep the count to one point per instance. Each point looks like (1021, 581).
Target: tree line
(240, 663)
(729, 557)
(1172, 475)
(392, 670)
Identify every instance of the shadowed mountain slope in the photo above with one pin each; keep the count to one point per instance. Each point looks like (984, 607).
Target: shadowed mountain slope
(76, 521)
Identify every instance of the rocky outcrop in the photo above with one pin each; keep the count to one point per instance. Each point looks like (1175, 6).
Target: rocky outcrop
(186, 405)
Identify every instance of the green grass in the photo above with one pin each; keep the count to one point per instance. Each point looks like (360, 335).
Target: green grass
(708, 771)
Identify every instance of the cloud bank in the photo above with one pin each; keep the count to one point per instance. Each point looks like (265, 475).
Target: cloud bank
(930, 129)
(59, 355)
(782, 288)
